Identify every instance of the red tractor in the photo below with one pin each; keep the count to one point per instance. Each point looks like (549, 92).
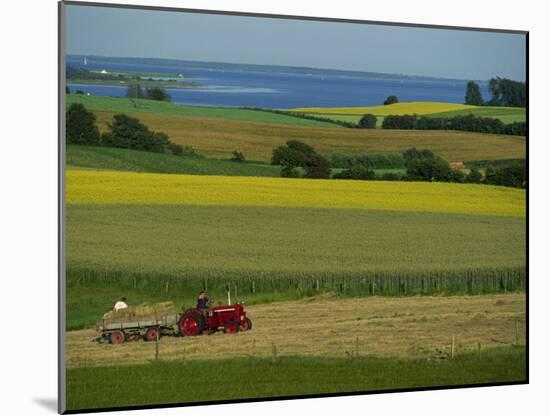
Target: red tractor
(229, 318)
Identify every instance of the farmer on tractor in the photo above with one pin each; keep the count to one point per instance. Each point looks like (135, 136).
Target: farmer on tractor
(202, 300)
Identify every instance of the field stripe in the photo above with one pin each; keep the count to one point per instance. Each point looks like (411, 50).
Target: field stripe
(146, 188)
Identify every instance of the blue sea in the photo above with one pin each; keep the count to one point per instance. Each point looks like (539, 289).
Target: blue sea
(235, 86)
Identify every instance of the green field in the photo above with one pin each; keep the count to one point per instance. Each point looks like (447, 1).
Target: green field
(121, 159)
(108, 158)
(506, 115)
(128, 105)
(245, 378)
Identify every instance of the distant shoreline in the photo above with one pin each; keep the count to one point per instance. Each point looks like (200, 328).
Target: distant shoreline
(298, 70)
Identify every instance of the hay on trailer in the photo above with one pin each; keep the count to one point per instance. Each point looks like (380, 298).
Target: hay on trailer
(143, 310)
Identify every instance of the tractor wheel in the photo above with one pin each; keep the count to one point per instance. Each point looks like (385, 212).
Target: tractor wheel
(191, 324)
(231, 327)
(152, 334)
(246, 324)
(117, 337)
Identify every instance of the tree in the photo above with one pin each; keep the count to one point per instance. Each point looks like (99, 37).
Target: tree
(157, 94)
(238, 156)
(506, 92)
(317, 167)
(473, 177)
(392, 99)
(67, 90)
(81, 126)
(289, 157)
(367, 121)
(514, 175)
(433, 169)
(134, 91)
(473, 94)
(297, 154)
(413, 153)
(128, 132)
(456, 176)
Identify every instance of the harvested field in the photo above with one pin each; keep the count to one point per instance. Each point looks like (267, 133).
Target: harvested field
(326, 326)
(217, 137)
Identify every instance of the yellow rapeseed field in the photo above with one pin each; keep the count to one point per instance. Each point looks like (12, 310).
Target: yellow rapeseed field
(402, 108)
(100, 187)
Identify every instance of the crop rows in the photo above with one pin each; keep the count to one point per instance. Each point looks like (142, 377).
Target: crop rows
(470, 281)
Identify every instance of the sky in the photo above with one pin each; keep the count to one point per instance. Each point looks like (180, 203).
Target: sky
(332, 45)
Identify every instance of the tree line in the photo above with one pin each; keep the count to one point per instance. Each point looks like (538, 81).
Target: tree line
(504, 93)
(421, 165)
(123, 132)
(468, 122)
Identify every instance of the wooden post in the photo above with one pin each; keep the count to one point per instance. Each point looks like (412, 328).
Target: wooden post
(253, 287)
(452, 346)
(157, 346)
(184, 356)
(517, 333)
(357, 347)
(479, 351)
(236, 293)
(317, 284)
(135, 283)
(273, 353)
(253, 347)
(167, 286)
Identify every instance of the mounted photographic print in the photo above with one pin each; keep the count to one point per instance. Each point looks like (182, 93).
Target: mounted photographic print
(259, 207)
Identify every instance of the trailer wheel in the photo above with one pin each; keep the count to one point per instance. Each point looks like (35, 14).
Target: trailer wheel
(191, 324)
(246, 325)
(117, 337)
(152, 334)
(231, 327)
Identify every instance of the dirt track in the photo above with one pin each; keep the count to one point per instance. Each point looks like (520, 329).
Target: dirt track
(390, 326)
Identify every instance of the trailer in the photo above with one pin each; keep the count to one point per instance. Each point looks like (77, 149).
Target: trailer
(149, 328)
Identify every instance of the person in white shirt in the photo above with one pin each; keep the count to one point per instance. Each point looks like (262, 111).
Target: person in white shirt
(120, 304)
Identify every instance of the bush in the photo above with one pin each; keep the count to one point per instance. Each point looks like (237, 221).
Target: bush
(128, 132)
(157, 94)
(456, 176)
(79, 92)
(428, 169)
(513, 176)
(413, 153)
(317, 167)
(367, 121)
(399, 122)
(473, 177)
(392, 99)
(238, 156)
(391, 177)
(175, 149)
(356, 172)
(288, 171)
(81, 127)
(372, 160)
(190, 152)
